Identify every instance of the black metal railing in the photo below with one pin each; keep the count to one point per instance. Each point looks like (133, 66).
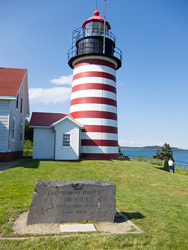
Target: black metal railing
(81, 44)
(73, 51)
(82, 33)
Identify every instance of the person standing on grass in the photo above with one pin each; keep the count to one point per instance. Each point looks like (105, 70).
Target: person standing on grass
(171, 165)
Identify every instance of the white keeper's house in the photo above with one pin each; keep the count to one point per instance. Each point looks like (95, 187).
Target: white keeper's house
(14, 108)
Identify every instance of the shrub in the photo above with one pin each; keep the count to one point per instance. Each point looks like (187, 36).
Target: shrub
(150, 160)
(28, 148)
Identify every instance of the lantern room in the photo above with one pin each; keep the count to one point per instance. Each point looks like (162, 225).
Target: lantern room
(95, 26)
(94, 37)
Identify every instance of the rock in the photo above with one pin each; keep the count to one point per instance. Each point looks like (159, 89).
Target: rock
(72, 201)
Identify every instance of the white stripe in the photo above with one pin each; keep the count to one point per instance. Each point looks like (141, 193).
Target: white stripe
(93, 93)
(93, 67)
(97, 121)
(99, 136)
(101, 80)
(108, 59)
(93, 106)
(99, 149)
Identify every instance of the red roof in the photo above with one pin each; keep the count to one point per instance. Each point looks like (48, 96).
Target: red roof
(96, 18)
(46, 119)
(10, 81)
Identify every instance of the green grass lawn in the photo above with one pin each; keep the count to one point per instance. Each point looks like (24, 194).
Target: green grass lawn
(155, 200)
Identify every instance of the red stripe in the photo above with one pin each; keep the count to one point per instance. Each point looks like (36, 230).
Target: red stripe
(100, 100)
(94, 114)
(108, 143)
(94, 61)
(99, 156)
(94, 74)
(94, 86)
(100, 129)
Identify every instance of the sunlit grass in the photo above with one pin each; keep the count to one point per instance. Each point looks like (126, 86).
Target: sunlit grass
(155, 200)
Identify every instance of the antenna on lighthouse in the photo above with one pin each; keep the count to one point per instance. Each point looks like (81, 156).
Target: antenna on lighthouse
(104, 27)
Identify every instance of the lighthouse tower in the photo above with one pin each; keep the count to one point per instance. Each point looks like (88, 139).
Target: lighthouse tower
(95, 59)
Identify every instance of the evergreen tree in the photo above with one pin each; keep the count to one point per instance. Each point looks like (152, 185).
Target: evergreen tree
(165, 153)
(120, 152)
(28, 131)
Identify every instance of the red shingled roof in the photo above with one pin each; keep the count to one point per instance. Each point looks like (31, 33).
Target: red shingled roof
(10, 81)
(46, 119)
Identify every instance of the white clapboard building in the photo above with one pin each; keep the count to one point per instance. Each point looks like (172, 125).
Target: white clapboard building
(14, 107)
(56, 136)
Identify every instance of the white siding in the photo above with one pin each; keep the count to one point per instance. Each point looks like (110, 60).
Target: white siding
(4, 125)
(24, 93)
(15, 114)
(43, 143)
(15, 144)
(67, 153)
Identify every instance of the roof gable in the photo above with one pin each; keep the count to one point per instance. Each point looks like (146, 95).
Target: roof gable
(39, 119)
(10, 81)
(67, 118)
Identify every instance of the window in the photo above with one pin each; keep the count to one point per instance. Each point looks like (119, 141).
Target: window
(17, 101)
(66, 140)
(21, 132)
(21, 136)
(13, 129)
(94, 29)
(21, 105)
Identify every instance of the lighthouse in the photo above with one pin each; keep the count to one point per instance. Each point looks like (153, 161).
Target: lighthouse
(94, 59)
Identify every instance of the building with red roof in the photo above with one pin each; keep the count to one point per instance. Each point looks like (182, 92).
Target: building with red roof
(14, 108)
(57, 136)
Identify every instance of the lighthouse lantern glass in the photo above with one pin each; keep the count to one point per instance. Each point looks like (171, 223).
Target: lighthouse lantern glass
(94, 29)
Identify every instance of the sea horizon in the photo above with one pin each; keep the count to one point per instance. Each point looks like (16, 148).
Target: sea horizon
(180, 156)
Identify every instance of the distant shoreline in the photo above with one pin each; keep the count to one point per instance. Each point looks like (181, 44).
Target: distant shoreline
(152, 148)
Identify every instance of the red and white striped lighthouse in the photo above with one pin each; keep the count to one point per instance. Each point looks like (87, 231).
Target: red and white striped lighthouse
(95, 59)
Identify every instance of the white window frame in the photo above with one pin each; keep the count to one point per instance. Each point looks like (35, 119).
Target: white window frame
(66, 140)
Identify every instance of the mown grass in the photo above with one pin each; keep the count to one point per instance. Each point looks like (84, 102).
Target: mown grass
(28, 148)
(155, 200)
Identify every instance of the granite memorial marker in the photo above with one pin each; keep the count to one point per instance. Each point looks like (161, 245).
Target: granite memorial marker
(72, 201)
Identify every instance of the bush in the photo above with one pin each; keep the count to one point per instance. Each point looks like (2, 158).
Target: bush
(150, 160)
(28, 148)
(180, 171)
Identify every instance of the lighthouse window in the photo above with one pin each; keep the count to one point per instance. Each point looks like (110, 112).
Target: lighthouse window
(66, 140)
(94, 29)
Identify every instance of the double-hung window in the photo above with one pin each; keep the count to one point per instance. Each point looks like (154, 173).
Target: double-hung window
(17, 101)
(21, 105)
(13, 129)
(21, 132)
(66, 140)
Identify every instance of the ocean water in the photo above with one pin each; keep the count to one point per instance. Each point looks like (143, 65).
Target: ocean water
(180, 157)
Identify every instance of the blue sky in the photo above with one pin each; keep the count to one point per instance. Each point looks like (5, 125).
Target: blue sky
(152, 84)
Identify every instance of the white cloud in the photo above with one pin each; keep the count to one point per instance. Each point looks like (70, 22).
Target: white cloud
(63, 80)
(51, 95)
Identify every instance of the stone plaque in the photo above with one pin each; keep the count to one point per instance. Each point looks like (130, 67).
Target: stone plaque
(72, 201)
